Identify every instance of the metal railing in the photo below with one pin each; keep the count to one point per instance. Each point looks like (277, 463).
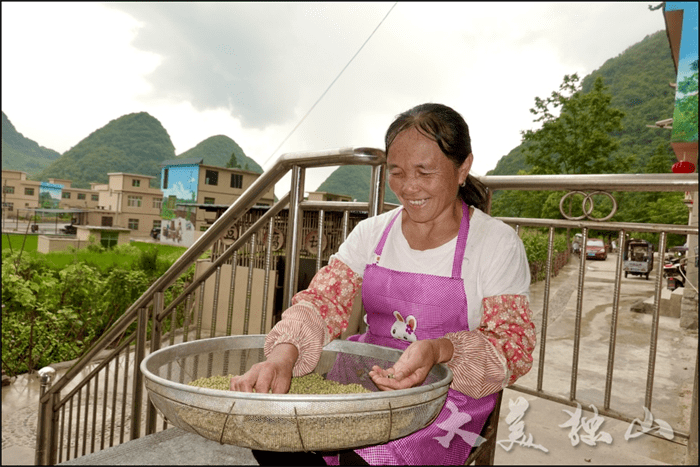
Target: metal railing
(99, 402)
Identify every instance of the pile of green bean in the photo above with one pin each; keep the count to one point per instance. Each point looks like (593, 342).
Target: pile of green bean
(313, 383)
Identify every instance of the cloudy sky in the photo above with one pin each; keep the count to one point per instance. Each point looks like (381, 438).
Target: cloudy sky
(251, 71)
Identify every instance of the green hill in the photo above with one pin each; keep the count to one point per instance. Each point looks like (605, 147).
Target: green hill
(353, 180)
(134, 143)
(21, 153)
(217, 150)
(638, 80)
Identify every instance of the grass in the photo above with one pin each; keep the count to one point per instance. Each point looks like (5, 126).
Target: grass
(122, 256)
(15, 241)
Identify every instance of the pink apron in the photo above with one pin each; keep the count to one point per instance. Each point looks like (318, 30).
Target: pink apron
(400, 305)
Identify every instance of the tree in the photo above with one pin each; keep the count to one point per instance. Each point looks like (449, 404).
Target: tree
(233, 162)
(579, 140)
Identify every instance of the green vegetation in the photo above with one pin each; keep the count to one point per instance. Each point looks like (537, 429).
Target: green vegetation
(592, 136)
(638, 81)
(579, 140)
(536, 244)
(55, 306)
(217, 150)
(20, 153)
(353, 180)
(135, 143)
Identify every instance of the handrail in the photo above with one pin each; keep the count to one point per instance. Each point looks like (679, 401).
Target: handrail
(609, 182)
(296, 163)
(342, 156)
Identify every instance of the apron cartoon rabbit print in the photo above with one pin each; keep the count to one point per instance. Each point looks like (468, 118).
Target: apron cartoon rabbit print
(404, 330)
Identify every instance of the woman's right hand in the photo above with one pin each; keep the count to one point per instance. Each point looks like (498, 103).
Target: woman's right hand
(275, 373)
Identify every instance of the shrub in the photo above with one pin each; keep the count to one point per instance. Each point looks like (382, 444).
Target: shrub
(536, 244)
(54, 311)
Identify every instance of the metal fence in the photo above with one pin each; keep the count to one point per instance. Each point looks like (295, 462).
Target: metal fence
(100, 401)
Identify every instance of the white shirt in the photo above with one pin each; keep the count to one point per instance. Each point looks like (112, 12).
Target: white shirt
(494, 263)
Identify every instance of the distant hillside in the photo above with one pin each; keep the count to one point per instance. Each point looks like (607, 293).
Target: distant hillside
(134, 143)
(21, 153)
(353, 180)
(638, 80)
(217, 150)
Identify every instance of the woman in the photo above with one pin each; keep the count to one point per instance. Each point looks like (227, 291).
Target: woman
(442, 280)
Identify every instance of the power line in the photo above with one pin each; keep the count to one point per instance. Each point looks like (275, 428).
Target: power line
(331, 85)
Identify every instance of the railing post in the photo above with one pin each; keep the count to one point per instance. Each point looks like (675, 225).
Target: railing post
(545, 308)
(291, 268)
(45, 453)
(579, 312)
(613, 321)
(137, 392)
(376, 190)
(156, 332)
(655, 322)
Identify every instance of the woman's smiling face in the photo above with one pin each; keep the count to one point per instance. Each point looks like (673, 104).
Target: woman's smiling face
(423, 178)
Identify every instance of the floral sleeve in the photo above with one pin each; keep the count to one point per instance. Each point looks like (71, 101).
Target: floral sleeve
(318, 314)
(498, 352)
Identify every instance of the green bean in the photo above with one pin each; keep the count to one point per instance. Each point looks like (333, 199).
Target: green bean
(313, 383)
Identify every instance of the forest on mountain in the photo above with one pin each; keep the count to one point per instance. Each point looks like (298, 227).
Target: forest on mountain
(354, 181)
(135, 143)
(217, 150)
(21, 153)
(639, 81)
(602, 127)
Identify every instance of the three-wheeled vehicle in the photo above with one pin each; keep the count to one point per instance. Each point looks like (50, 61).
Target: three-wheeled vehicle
(638, 257)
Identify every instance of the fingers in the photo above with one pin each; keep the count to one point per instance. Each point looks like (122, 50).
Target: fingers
(261, 378)
(389, 379)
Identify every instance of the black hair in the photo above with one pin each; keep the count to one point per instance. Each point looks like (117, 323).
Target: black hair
(448, 129)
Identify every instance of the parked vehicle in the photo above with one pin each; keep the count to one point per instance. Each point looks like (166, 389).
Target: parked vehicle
(674, 268)
(576, 246)
(595, 249)
(638, 257)
(69, 229)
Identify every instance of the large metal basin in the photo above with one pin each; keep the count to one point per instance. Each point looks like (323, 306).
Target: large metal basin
(286, 422)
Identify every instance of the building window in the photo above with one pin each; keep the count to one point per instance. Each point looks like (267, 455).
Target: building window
(10, 190)
(208, 200)
(157, 203)
(134, 201)
(81, 195)
(136, 182)
(65, 195)
(236, 181)
(8, 206)
(106, 221)
(29, 191)
(134, 224)
(109, 239)
(157, 224)
(95, 197)
(165, 178)
(211, 177)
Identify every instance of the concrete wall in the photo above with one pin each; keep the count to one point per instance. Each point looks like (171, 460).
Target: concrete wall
(239, 303)
(47, 244)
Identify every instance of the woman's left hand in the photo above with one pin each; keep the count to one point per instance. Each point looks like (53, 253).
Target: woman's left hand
(414, 364)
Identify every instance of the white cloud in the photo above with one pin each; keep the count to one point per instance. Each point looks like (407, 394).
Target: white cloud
(251, 71)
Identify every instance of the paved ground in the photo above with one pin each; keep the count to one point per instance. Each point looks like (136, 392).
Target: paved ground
(540, 419)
